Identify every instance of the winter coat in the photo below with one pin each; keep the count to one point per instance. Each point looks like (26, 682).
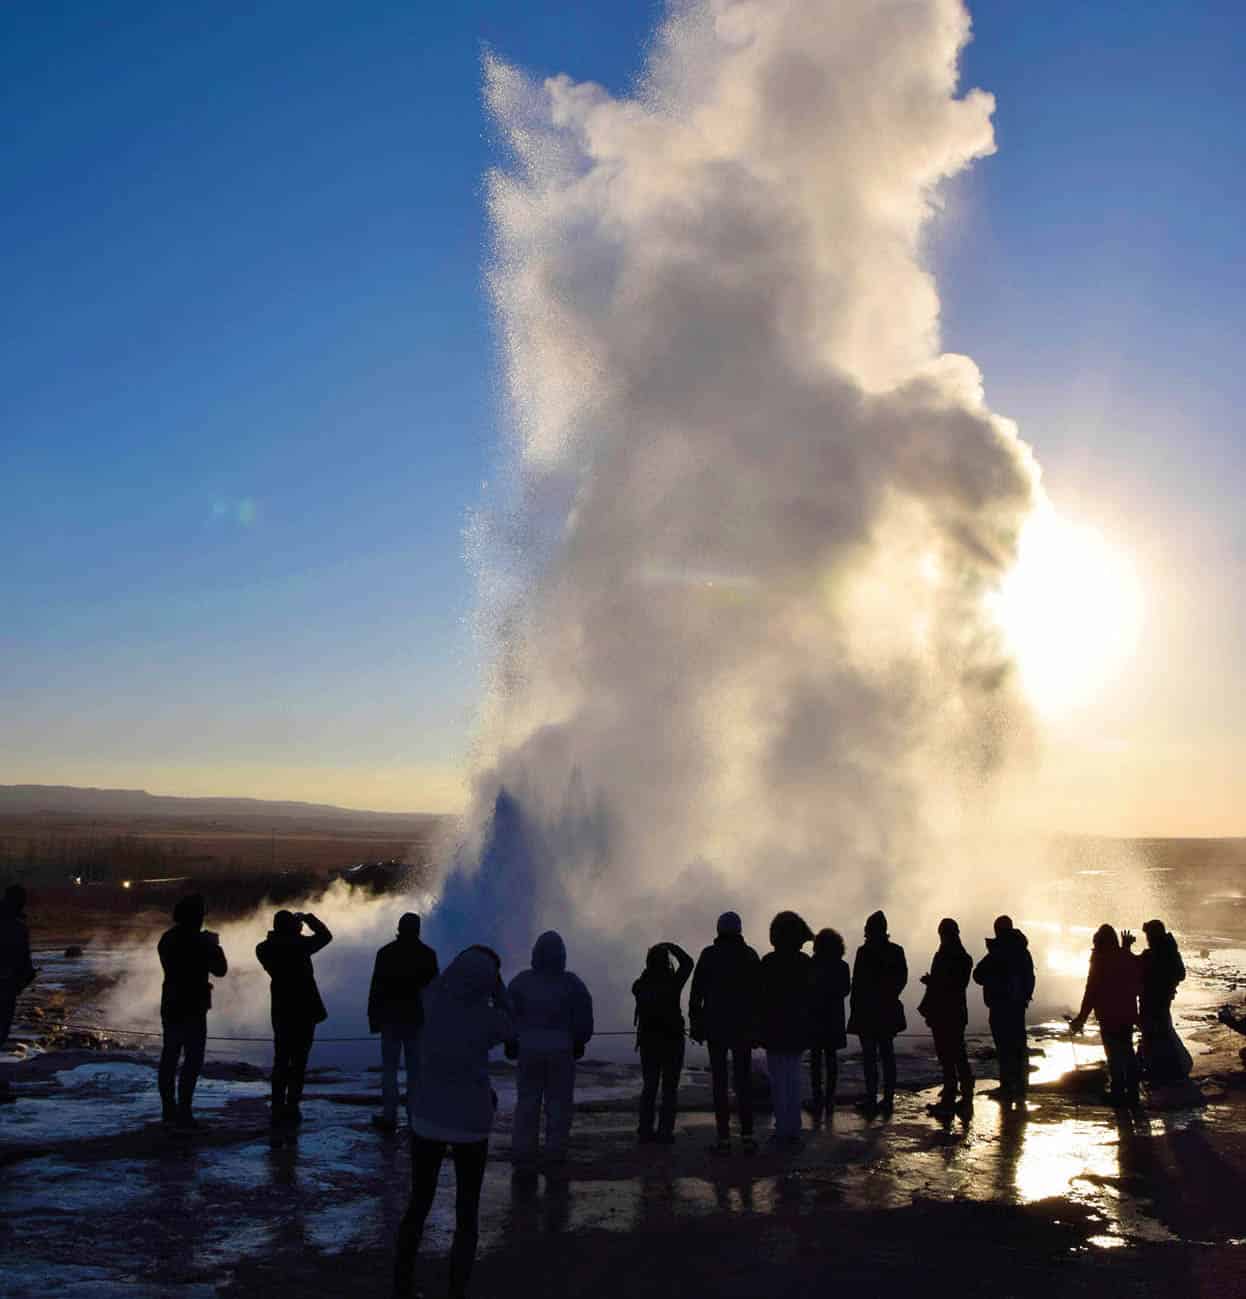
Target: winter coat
(944, 1005)
(1006, 972)
(16, 968)
(403, 969)
(658, 1017)
(831, 984)
(287, 958)
(722, 1006)
(188, 957)
(466, 1013)
(552, 1009)
(785, 995)
(879, 974)
(1112, 989)
(1162, 970)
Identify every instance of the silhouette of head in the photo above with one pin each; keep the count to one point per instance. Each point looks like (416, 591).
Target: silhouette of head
(876, 926)
(829, 944)
(1155, 932)
(789, 932)
(486, 951)
(658, 960)
(286, 922)
(730, 925)
(189, 911)
(1105, 939)
(15, 898)
(949, 930)
(408, 925)
(1003, 926)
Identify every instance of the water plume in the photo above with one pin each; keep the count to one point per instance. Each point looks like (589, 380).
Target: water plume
(735, 587)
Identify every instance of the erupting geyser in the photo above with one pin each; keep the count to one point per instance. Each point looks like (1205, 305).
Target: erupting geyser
(738, 585)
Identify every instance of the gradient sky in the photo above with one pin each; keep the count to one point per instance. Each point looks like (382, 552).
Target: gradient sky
(249, 386)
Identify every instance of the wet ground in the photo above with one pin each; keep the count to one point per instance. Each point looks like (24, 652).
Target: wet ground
(1064, 1197)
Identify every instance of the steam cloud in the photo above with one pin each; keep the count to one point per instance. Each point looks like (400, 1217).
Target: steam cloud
(737, 587)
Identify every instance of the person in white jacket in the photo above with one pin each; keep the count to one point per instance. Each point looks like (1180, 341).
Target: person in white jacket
(553, 1023)
(465, 1015)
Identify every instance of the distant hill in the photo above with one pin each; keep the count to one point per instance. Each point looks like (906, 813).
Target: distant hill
(71, 800)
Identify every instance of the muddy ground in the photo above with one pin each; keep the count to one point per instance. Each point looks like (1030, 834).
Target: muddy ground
(1066, 1198)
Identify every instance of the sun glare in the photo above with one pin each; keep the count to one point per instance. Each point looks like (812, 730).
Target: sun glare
(1071, 610)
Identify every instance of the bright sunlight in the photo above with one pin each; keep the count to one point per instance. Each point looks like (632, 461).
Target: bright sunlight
(1071, 610)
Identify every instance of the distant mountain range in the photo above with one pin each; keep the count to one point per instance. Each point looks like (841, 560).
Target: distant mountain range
(70, 800)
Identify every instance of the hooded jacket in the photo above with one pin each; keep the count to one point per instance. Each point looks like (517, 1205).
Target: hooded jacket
(722, 1006)
(403, 969)
(188, 957)
(552, 1009)
(785, 996)
(1006, 972)
(287, 958)
(466, 1013)
(1162, 970)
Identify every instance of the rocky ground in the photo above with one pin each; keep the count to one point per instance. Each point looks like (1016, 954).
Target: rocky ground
(1069, 1197)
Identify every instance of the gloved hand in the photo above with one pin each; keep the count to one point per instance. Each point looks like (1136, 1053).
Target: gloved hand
(511, 1050)
(578, 1050)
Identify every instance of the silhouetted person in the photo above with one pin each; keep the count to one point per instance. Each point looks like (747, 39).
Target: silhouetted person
(296, 1005)
(553, 1014)
(1006, 975)
(465, 1015)
(403, 969)
(1164, 1057)
(660, 1037)
(722, 1012)
(189, 955)
(16, 970)
(1112, 989)
(944, 1008)
(879, 974)
(831, 984)
(786, 1006)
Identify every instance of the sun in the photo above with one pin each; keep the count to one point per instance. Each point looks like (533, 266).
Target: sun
(1071, 610)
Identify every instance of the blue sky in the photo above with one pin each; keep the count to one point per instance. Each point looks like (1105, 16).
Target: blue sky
(249, 384)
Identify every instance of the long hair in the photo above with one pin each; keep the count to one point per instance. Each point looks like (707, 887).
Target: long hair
(789, 932)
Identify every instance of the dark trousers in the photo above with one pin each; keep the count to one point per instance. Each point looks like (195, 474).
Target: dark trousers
(1008, 1030)
(1122, 1063)
(661, 1062)
(741, 1080)
(872, 1048)
(823, 1057)
(469, 1158)
(949, 1044)
(292, 1044)
(187, 1038)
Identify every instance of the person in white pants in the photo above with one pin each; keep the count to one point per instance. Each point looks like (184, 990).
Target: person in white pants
(553, 1014)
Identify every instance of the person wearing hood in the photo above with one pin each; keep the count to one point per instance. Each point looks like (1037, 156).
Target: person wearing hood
(16, 970)
(722, 1013)
(466, 1014)
(286, 954)
(553, 1014)
(403, 969)
(944, 1008)
(785, 981)
(879, 974)
(189, 955)
(1112, 988)
(832, 982)
(1006, 976)
(660, 1037)
(1164, 1057)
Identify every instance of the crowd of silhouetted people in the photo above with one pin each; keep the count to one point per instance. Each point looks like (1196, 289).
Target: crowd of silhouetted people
(797, 1006)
